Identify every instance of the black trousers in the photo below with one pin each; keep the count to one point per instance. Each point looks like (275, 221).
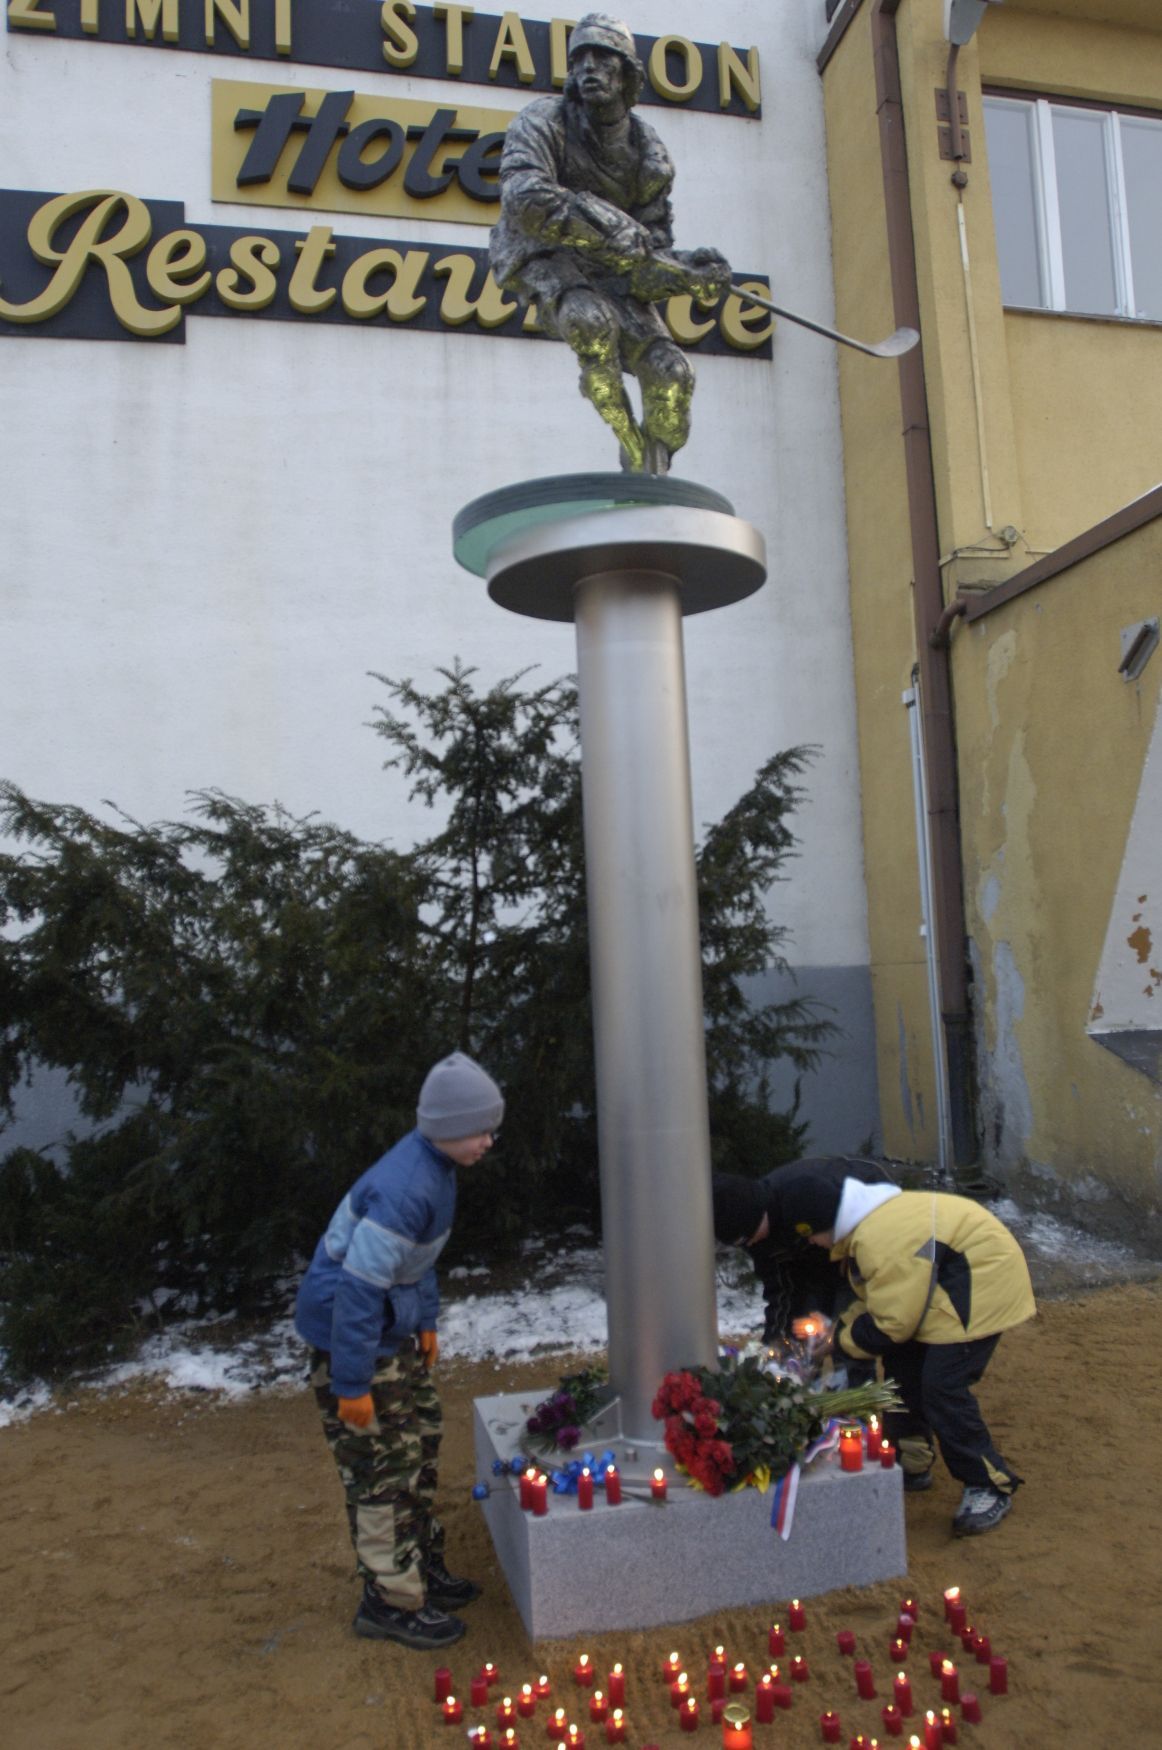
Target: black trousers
(935, 1381)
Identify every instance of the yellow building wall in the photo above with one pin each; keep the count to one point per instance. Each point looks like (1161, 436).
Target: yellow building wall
(1052, 742)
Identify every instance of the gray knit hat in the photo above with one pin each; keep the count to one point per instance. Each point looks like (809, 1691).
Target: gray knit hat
(458, 1099)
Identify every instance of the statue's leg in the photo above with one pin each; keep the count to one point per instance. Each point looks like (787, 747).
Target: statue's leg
(667, 381)
(589, 323)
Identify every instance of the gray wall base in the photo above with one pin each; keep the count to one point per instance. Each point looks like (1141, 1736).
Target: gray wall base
(642, 1564)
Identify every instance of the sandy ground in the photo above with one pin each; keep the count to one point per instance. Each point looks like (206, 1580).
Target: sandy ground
(175, 1572)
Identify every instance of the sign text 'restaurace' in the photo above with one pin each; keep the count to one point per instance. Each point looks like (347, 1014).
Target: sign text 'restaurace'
(425, 42)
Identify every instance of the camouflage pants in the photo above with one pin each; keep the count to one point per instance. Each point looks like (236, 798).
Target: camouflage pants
(388, 1471)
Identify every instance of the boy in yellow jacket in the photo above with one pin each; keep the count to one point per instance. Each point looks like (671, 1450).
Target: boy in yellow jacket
(937, 1279)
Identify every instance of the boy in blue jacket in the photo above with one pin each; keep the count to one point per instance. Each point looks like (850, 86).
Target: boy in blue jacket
(368, 1306)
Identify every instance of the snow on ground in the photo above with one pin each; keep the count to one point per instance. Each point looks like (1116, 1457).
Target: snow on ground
(559, 1309)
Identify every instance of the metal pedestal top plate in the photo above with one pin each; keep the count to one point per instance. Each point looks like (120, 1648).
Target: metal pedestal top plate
(536, 541)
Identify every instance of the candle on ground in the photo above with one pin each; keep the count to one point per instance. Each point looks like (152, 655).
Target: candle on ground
(574, 1737)
(783, 1696)
(598, 1707)
(968, 1638)
(736, 1728)
(613, 1486)
(544, 1687)
(949, 1682)
(526, 1701)
(897, 1651)
(970, 1708)
(480, 1738)
(443, 1683)
(738, 1679)
(715, 1684)
(506, 1711)
(948, 1725)
(933, 1736)
(902, 1693)
(509, 1739)
(776, 1640)
(799, 1669)
(909, 1607)
(671, 1666)
(850, 1451)
(688, 1714)
(956, 1610)
(717, 1659)
(796, 1616)
(865, 1686)
(936, 1663)
(478, 1690)
(558, 1725)
(764, 1699)
(829, 1727)
(615, 1727)
(893, 1721)
(982, 1647)
(490, 1672)
(717, 1709)
(998, 1675)
(845, 1640)
(616, 1682)
(904, 1625)
(453, 1710)
(658, 1485)
(679, 1689)
(583, 1671)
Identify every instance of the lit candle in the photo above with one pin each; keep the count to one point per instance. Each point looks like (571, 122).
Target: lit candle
(583, 1671)
(506, 1711)
(585, 1490)
(968, 1638)
(478, 1690)
(527, 1479)
(909, 1607)
(598, 1707)
(738, 1678)
(865, 1686)
(736, 1729)
(955, 1609)
(612, 1486)
(616, 1681)
(933, 1736)
(544, 1687)
(509, 1739)
(998, 1675)
(526, 1702)
(453, 1710)
(887, 1455)
(904, 1625)
(490, 1672)
(936, 1663)
(688, 1714)
(443, 1683)
(799, 1670)
(897, 1651)
(948, 1725)
(558, 1725)
(679, 1689)
(539, 1489)
(480, 1738)
(902, 1693)
(893, 1721)
(845, 1640)
(970, 1708)
(574, 1737)
(949, 1681)
(850, 1451)
(796, 1616)
(764, 1700)
(951, 1598)
(658, 1485)
(776, 1640)
(829, 1727)
(982, 1647)
(717, 1659)
(671, 1667)
(873, 1436)
(615, 1727)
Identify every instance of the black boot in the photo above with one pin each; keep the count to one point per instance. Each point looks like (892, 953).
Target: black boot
(444, 1588)
(428, 1627)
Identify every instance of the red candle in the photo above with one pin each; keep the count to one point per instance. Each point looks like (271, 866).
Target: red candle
(893, 1722)
(613, 1487)
(949, 1682)
(933, 1736)
(982, 1647)
(558, 1725)
(443, 1683)
(799, 1670)
(671, 1667)
(970, 1708)
(575, 1737)
(544, 1687)
(478, 1690)
(783, 1696)
(845, 1640)
(658, 1485)
(490, 1672)
(936, 1663)
(764, 1699)
(598, 1707)
(585, 1491)
(951, 1597)
(616, 1682)
(850, 1452)
(957, 1616)
(527, 1478)
(736, 1728)
(968, 1637)
(680, 1689)
(583, 1671)
(797, 1617)
(998, 1675)
(776, 1640)
(887, 1455)
(862, 1742)
(738, 1678)
(829, 1727)
(539, 1490)
(897, 1651)
(948, 1725)
(717, 1659)
(904, 1625)
(902, 1693)
(715, 1684)
(909, 1607)
(480, 1738)
(509, 1739)
(453, 1710)
(688, 1714)
(615, 1727)
(505, 1712)
(873, 1436)
(865, 1686)
(526, 1702)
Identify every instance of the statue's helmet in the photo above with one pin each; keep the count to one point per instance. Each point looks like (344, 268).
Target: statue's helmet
(599, 30)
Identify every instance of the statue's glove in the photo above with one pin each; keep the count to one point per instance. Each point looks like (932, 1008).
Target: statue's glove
(357, 1412)
(710, 273)
(701, 274)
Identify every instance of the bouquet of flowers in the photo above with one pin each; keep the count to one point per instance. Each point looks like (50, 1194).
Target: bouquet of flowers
(558, 1419)
(749, 1422)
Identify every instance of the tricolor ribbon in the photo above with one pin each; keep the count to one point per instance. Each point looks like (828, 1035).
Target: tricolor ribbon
(787, 1488)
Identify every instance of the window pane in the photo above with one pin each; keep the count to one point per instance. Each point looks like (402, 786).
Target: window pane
(1083, 196)
(1009, 131)
(1142, 157)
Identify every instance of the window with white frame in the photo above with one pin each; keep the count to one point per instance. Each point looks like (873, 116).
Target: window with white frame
(1077, 201)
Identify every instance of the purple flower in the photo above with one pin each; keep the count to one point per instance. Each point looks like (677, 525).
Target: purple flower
(567, 1438)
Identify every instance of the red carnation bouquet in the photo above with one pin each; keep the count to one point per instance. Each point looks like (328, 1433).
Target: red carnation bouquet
(692, 1435)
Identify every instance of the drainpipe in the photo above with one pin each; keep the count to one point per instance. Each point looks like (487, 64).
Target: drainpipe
(935, 689)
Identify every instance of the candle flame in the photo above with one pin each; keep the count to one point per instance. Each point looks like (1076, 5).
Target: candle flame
(584, 1470)
(948, 1667)
(659, 1474)
(794, 1604)
(617, 1668)
(584, 1659)
(952, 1593)
(526, 1689)
(740, 1666)
(675, 1660)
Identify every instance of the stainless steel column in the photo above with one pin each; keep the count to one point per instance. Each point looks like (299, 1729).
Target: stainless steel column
(653, 1130)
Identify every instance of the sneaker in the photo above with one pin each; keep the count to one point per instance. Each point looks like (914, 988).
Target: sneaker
(444, 1588)
(980, 1510)
(917, 1482)
(428, 1627)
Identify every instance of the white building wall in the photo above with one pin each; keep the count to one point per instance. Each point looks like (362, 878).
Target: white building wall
(204, 548)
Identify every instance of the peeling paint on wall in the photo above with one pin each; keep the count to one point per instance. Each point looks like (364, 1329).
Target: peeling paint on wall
(905, 1087)
(1012, 1117)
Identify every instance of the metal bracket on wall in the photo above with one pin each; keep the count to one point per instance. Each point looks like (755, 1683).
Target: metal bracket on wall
(1139, 642)
(944, 127)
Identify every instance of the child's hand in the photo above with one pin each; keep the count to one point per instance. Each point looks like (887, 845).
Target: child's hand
(357, 1412)
(429, 1348)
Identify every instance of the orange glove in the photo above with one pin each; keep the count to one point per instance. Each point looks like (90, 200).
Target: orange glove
(357, 1412)
(429, 1348)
